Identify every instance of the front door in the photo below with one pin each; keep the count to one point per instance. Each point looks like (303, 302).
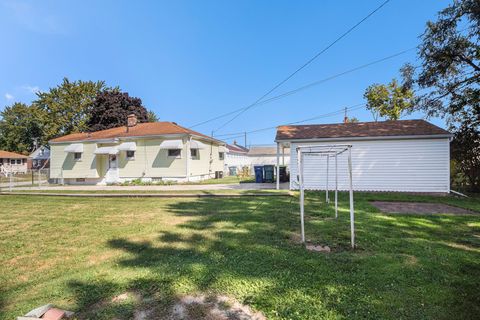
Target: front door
(112, 161)
(112, 172)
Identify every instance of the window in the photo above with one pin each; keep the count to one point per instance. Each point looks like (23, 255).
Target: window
(194, 153)
(176, 153)
(130, 154)
(77, 155)
(19, 161)
(12, 161)
(221, 155)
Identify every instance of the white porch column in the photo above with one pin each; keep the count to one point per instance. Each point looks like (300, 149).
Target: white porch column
(352, 214)
(278, 166)
(187, 160)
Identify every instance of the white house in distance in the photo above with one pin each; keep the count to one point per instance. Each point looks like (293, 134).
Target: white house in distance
(236, 156)
(156, 151)
(11, 162)
(403, 155)
(267, 155)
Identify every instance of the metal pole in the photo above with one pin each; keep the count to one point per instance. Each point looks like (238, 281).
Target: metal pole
(327, 200)
(278, 166)
(352, 222)
(10, 184)
(302, 193)
(336, 187)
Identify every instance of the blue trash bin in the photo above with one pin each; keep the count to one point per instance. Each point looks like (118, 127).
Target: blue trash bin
(258, 174)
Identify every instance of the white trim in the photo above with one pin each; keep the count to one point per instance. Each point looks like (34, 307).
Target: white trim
(194, 144)
(74, 148)
(128, 146)
(171, 144)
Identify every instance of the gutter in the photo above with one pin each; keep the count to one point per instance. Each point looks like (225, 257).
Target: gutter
(410, 137)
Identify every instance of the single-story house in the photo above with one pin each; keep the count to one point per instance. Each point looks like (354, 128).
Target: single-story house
(40, 158)
(267, 155)
(156, 151)
(11, 162)
(403, 155)
(236, 157)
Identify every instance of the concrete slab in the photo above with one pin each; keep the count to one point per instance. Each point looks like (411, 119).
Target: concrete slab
(419, 208)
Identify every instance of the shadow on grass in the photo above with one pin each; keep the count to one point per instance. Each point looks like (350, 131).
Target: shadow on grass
(403, 268)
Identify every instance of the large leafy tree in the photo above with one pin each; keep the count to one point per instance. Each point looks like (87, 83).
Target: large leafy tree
(67, 107)
(450, 72)
(20, 128)
(390, 100)
(111, 108)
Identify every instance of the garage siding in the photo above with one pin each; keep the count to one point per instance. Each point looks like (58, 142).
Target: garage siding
(410, 165)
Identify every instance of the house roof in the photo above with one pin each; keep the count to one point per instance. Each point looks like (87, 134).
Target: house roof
(236, 148)
(360, 130)
(265, 150)
(139, 130)
(11, 155)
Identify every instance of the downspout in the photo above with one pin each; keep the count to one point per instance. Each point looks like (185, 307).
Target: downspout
(187, 156)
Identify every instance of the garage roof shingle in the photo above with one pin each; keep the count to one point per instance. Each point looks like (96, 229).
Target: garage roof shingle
(359, 130)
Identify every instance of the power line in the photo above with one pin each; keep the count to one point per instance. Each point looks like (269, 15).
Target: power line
(325, 115)
(309, 85)
(305, 64)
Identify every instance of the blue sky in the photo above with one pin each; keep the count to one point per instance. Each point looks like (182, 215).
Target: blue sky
(190, 61)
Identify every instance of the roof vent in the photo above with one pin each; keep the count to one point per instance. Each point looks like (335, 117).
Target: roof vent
(175, 123)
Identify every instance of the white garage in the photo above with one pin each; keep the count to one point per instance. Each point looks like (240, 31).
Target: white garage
(403, 155)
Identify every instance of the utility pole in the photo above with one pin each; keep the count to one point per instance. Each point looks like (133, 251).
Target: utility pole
(245, 139)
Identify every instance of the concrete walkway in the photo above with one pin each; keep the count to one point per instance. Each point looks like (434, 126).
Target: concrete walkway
(175, 187)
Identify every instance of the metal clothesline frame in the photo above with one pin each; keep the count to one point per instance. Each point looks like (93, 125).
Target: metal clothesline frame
(328, 151)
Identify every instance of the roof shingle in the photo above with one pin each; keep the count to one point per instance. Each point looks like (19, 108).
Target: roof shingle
(139, 130)
(359, 130)
(11, 155)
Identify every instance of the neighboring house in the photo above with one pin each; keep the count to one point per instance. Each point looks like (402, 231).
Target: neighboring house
(403, 155)
(40, 158)
(267, 154)
(148, 151)
(236, 157)
(11, 162)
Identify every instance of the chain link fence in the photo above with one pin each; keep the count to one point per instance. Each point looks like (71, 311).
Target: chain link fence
(31, 179)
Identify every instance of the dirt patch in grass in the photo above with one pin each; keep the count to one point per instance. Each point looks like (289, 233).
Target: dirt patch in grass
(212, 308)
(419, 208)
(187, 307)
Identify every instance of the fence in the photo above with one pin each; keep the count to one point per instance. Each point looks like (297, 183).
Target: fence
(31, 179)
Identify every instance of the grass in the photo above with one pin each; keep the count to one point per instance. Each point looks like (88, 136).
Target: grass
(146, 191)
(80, 253)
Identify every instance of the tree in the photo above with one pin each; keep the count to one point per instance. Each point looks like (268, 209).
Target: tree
(450, 70)
(152, 116)
(389, 100)
(20, 128)
(111, 108)
(67, 107)
(466, 154)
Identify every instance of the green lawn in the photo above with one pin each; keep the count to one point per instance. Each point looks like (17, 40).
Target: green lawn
(78, 253)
